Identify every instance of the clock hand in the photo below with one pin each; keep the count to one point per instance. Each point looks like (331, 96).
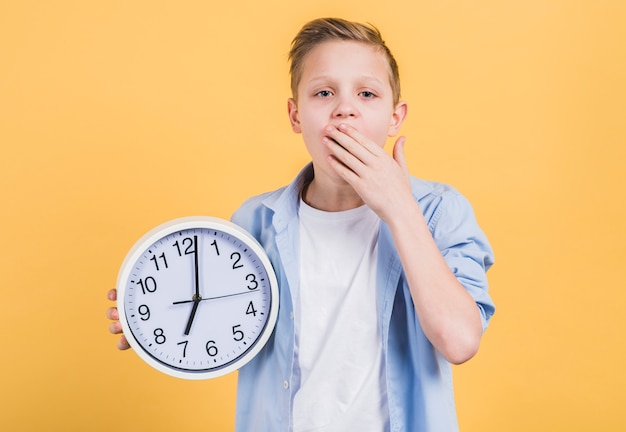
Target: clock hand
(214, 298)
(196, 297)
(195, 246)
(196, 303)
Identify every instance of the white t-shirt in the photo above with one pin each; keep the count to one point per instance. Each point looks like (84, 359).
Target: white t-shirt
(338, 341)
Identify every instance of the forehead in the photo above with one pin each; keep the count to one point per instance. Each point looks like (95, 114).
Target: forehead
(345, 58)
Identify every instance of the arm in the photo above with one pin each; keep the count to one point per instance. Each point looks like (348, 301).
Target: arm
(448, 314)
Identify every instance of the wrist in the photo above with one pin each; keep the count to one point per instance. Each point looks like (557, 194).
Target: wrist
(408, 217)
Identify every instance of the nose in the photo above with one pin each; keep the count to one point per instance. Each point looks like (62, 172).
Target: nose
(345, 108)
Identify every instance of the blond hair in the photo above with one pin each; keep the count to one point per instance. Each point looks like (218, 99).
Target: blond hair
(322, 30)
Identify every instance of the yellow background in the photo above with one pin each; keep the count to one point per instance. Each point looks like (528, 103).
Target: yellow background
(116, 116)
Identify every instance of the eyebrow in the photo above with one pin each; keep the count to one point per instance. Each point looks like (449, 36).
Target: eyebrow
(366, 78)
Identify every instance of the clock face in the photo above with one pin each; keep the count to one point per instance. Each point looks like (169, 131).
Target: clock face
(198, 298)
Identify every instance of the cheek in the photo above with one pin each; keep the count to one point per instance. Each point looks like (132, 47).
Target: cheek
(313, 127)
(377, 133)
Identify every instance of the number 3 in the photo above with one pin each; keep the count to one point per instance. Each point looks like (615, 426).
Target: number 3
(252, 279)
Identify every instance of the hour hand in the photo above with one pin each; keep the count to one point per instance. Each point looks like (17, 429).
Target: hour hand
(196, 303)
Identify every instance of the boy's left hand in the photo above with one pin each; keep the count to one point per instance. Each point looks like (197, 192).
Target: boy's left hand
(383, 182)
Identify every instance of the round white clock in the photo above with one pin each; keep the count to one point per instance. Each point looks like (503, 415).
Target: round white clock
(197, 297)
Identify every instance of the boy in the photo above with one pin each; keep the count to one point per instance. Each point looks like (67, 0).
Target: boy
(382, 276)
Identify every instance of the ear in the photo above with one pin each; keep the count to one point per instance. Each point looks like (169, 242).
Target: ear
(399, 113)
(292, 109)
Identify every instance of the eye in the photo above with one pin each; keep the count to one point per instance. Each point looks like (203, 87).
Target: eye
(367, 94)
(323, 93)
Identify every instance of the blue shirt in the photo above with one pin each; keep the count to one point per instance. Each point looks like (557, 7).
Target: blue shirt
(419, 379)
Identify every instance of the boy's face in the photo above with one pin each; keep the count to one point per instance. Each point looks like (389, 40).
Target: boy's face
(344, 82)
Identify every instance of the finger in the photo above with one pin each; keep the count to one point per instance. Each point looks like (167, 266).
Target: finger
(342, 155)
(350, 150)
(115, 327)
(358, 138)
(350, 141)
(123, 344)
(112, 294)
(398, 153)
(343, 170)
(112, 314)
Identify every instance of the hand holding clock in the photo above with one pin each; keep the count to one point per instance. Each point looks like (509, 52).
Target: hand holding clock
(115, 327)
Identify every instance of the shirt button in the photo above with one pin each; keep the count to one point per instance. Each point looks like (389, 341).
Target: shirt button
(291, 315)
(286, 385)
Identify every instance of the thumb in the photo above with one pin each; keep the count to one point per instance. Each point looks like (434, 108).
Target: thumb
(398, 153)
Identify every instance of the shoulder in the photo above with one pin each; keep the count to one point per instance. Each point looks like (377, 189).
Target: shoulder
(426, 190)
(255, 209)
(436, 198)
(258, 212)
(449, 215)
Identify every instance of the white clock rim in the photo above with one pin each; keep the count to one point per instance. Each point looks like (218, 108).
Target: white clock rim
(180, 224)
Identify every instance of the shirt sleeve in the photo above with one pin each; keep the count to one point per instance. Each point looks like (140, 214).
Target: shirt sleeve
(465, 248)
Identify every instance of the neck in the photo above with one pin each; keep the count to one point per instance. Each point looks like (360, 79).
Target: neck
(331, 197)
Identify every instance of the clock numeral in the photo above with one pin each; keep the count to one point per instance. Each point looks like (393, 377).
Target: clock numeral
(144, 311)
(236, 264)
(251, 310)
(147, 285)
(217, 250)
(211, 349)
(156, 262)
(237, 334)
(253, 282)
(184, 344)
(186, 247)
(159, 336)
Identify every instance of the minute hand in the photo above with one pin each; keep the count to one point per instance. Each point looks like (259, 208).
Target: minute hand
(195, 246)
(196, 297)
